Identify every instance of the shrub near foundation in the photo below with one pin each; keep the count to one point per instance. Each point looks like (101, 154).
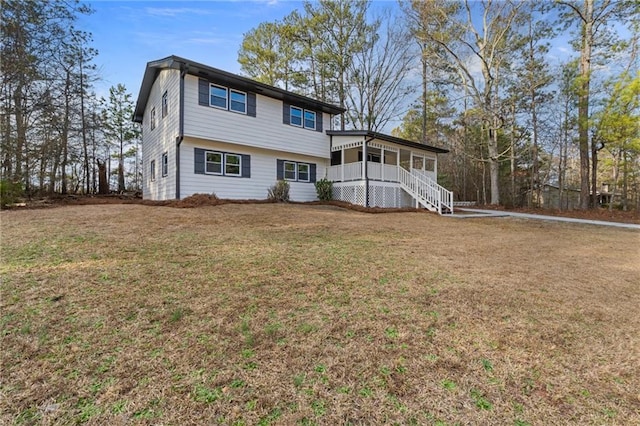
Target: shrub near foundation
(279, 192)
(324, 189)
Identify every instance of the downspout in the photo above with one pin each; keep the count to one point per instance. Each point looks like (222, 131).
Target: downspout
(366, 171)
(326, 173)
(180, 137)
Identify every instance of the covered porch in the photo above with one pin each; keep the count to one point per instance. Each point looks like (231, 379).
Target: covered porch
(377, 170)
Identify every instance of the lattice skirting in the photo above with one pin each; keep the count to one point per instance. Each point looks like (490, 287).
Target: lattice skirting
(380, 195)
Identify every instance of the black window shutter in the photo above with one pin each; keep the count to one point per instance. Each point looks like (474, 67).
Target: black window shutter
(198, 156)
(286, 113)
(246, 166)
(203, 92)
(251, 104)
(319, 121)
(280, 170)
(312, 172)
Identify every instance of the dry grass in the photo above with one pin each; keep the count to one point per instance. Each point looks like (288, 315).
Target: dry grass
(269, 313)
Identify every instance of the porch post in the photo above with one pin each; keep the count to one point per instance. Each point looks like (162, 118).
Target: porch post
(382, 163)
(435, 168)
(364, 172)
(342, 164)
(398, 165)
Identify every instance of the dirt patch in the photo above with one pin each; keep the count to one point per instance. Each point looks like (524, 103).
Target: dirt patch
(287, 314)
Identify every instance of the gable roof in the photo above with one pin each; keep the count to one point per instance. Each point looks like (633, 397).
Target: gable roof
(387, 138)
(200, 70)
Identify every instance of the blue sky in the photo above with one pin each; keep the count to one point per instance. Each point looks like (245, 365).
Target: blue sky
(128, 34)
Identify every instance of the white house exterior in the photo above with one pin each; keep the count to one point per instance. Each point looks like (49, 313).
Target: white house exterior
(209, 131)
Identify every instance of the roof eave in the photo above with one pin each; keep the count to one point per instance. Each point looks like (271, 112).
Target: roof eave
(387, 138)
(201, 70)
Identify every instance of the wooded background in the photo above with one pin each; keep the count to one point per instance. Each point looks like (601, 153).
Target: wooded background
(474, 77)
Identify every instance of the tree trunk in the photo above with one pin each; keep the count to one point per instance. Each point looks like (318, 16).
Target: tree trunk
(583, 102)
(103, 185)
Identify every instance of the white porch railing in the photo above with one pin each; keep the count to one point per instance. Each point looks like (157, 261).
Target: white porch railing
(426, 192)
(353, 171)
(416, 183)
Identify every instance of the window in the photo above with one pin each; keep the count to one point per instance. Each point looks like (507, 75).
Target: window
(290, 170)
(232, 164)
(429, 164)
(218, 96)
(153, 118)
(152, 170)
(309, 120)
(223, 163)
(295, 171)
(165, 104)
(165, 164)
(301, 117)
(303, 172)
(238, 102)
(213, 163)
(296, 116)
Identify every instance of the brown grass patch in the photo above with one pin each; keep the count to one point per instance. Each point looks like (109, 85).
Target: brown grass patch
(285, 314)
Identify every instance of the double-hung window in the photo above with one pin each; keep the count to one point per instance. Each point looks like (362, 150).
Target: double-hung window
(303, 172)
(165, 104)
(152, 170)
(213, 163)
(290, 170)
(309, 120)
(165, 164)
(238, 101)
(218, 96)
(232, 164)
(296, 116)
(221, 163)
(153, 118)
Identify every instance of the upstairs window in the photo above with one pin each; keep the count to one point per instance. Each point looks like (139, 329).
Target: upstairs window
(238, 101)
(165, 104)
(300, 117)
(218, 96)
(309, 120)
(153, 118)
(296, 116)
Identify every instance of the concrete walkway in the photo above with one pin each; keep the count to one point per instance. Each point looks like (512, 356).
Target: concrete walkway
(477, 213)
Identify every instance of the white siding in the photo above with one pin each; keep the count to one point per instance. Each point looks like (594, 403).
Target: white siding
(266, 130)
(161, 139)
(263, 173)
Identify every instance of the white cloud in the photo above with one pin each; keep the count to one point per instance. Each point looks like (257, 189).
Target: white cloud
(171, 11)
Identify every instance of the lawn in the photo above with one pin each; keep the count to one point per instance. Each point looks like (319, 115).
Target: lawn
(298, 314)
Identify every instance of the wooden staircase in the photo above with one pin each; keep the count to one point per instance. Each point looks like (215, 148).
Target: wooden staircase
(426, 192)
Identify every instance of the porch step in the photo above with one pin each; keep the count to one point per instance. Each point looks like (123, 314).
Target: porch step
(426, 192)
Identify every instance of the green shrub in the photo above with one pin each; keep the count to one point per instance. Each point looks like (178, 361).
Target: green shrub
(279, 192)
(9, 192)
(324, 189)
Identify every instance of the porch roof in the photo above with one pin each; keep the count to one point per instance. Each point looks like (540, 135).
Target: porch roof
(387, 138)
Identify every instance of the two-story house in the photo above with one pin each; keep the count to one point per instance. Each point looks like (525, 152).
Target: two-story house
(210, 131)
